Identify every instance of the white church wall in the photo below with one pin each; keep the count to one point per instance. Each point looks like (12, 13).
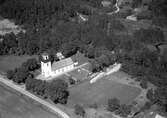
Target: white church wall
(46, 69)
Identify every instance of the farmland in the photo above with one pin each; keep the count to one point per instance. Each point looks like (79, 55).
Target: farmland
(14, 106)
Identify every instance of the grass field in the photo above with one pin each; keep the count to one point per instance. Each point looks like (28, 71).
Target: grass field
(99, 92)
(14, 106)
(11, 62)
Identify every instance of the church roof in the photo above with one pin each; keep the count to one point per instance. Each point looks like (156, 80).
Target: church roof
(62, 63)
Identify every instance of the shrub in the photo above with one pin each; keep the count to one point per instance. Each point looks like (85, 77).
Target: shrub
(150, 95)
(146, 106)
(124, 110)
(79, 110)
(113, 104)
(10, 74)
(144, 84)
(94, 105)
(57, 91)
(71, 81)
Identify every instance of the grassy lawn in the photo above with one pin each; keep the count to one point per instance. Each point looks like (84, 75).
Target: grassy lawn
(12, 62)
(14, 106)
(99, 92)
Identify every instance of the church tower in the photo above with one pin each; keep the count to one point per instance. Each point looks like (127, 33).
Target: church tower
(45, 65)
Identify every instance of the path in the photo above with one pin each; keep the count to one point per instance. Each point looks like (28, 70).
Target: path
(50, 106)
(112, 69)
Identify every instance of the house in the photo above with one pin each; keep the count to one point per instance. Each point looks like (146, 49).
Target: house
(60, 56)
(82, 18)
(57, 67)
(132, 18)
(106, 3)
(150, 114)
(153, 115)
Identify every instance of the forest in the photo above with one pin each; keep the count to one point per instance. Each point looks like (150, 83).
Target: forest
(49, 28)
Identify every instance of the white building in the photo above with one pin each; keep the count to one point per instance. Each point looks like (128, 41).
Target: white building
(45, 65)
(58, 67)
(61, 66)
(60, 56)
(106, 3)
(82, 18)
(153, 115)
(132, 18)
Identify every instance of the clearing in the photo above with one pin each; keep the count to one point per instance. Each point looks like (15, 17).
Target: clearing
(11, 62)
(100, 91)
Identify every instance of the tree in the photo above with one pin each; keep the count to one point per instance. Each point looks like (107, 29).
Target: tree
(113, 104)
(146, 106)
(143, 84)
(95, 66)
(57, 91)
(10, 40)
(136, 3)
(32, 47)
(104, 60)
(150, 36)
(71, 80)
(22, 42)
(90, 52)
(36, 86)
(150, 95)
(69, 49)
(124, 110)
(158, 8)
(21, 75)
(40, 88)
(30, 84)
(10, 74)
(31, 64)
(161, 96)
(79, 110)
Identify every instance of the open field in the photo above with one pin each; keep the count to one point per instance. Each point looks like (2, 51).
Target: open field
(99, 92)
(12, 62)
(14, 106)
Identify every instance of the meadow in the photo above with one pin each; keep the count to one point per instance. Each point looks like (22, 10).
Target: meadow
(13, 105)
(100, 91)
(11, 62)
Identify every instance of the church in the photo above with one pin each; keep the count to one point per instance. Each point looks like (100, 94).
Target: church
(49, 69)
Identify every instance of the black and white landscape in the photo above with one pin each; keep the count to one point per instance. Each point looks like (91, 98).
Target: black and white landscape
(83, 58)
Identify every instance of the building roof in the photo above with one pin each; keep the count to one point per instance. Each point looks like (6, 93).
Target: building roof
(82, 17)
(153, 115)
(62, 63)
(60, 55)
(44, 57)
